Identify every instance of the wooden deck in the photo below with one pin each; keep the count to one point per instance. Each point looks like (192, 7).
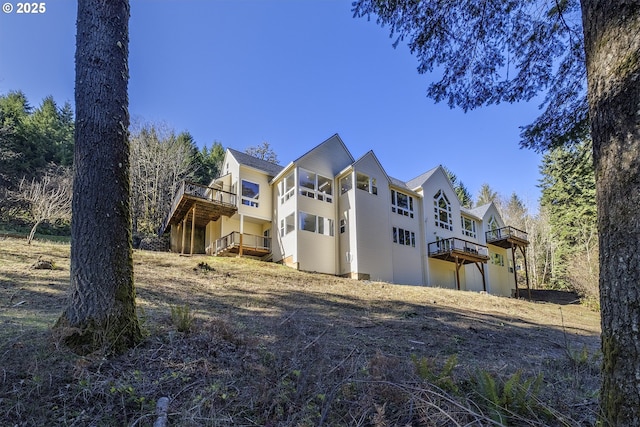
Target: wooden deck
(458, 250)
(512, 238)
(243, 245)
(507, 237)
(209, 203)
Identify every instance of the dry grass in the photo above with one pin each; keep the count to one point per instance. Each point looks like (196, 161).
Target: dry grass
(271, 346)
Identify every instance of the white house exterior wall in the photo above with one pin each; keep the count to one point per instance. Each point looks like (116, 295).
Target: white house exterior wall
(347, 247)
(373, 223)
(406, 259)
(500, 280)
(366, 248)
(263, 210)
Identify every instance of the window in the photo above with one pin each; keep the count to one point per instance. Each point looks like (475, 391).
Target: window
(346, 184)
(404, 237)
(287, 225)
(316, 224)
(250, 193)
(307, 183)
(307, 222)
(492, 226)
(324, 189)
(325, 226)
(401, 204)
(287, 188)
(343, 225)
(442, 211)
(497, 259)
(315, 186)
(363, 182)
(468, 227)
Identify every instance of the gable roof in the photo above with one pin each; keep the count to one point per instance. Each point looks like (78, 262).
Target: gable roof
(470, 212)
(371, 154)
(479, 211)
(332, 138)
(244, 159)
(420, 179)
(399, 183)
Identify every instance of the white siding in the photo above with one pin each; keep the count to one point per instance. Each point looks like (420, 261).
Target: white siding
(372, 220)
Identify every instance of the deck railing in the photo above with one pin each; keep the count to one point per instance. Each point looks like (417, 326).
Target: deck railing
(249, 242)
(200, 191)
(454, 244)
(505, 233)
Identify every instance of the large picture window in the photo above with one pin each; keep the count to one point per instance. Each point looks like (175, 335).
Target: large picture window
(250, 193)
(401, 203)
(315, 186)
(442, 211)
(316, 224)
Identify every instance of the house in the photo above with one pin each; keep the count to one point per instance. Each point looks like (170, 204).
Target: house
(327, 212)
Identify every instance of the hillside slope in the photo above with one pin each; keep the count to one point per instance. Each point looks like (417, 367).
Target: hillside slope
(269, 345)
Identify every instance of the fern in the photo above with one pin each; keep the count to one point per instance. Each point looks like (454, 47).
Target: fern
(425, 368)
(514, 396)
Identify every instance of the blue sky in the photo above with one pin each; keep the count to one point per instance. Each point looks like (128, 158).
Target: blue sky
(290, 72)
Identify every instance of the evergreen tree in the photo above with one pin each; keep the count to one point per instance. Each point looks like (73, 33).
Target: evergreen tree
(100, 314)
(568, 194)
(209, 163)
(486, 195)
(514, 212)
(463, 193)
(51, 131)
(33, 140)
(18, 155)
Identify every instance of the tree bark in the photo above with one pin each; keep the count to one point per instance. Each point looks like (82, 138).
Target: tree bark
(100, 314)
(612, 46)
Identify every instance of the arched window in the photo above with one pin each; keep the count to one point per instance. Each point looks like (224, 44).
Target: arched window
(493, 224)
(493, 229)
(442, 211)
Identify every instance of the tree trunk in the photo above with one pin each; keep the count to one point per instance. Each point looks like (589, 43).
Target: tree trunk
(32, 233)
(100, 313)
(612, 46)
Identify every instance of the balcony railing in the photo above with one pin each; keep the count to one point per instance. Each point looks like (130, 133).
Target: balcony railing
(251, 244)
(454, 245)
(506, 233)
(198, 191)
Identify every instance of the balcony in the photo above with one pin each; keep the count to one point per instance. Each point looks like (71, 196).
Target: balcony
(205, 204)
(507, 237)
(458, 251)
(243, 244)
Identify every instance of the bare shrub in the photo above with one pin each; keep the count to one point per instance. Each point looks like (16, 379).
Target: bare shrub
(47, 199)
(582, 273)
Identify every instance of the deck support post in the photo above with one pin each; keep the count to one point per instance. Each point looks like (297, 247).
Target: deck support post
(241, 249)
(193, 227)
(458, 264)
(515, 272)
(480, 266)
(523, 249)
(184, 234)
